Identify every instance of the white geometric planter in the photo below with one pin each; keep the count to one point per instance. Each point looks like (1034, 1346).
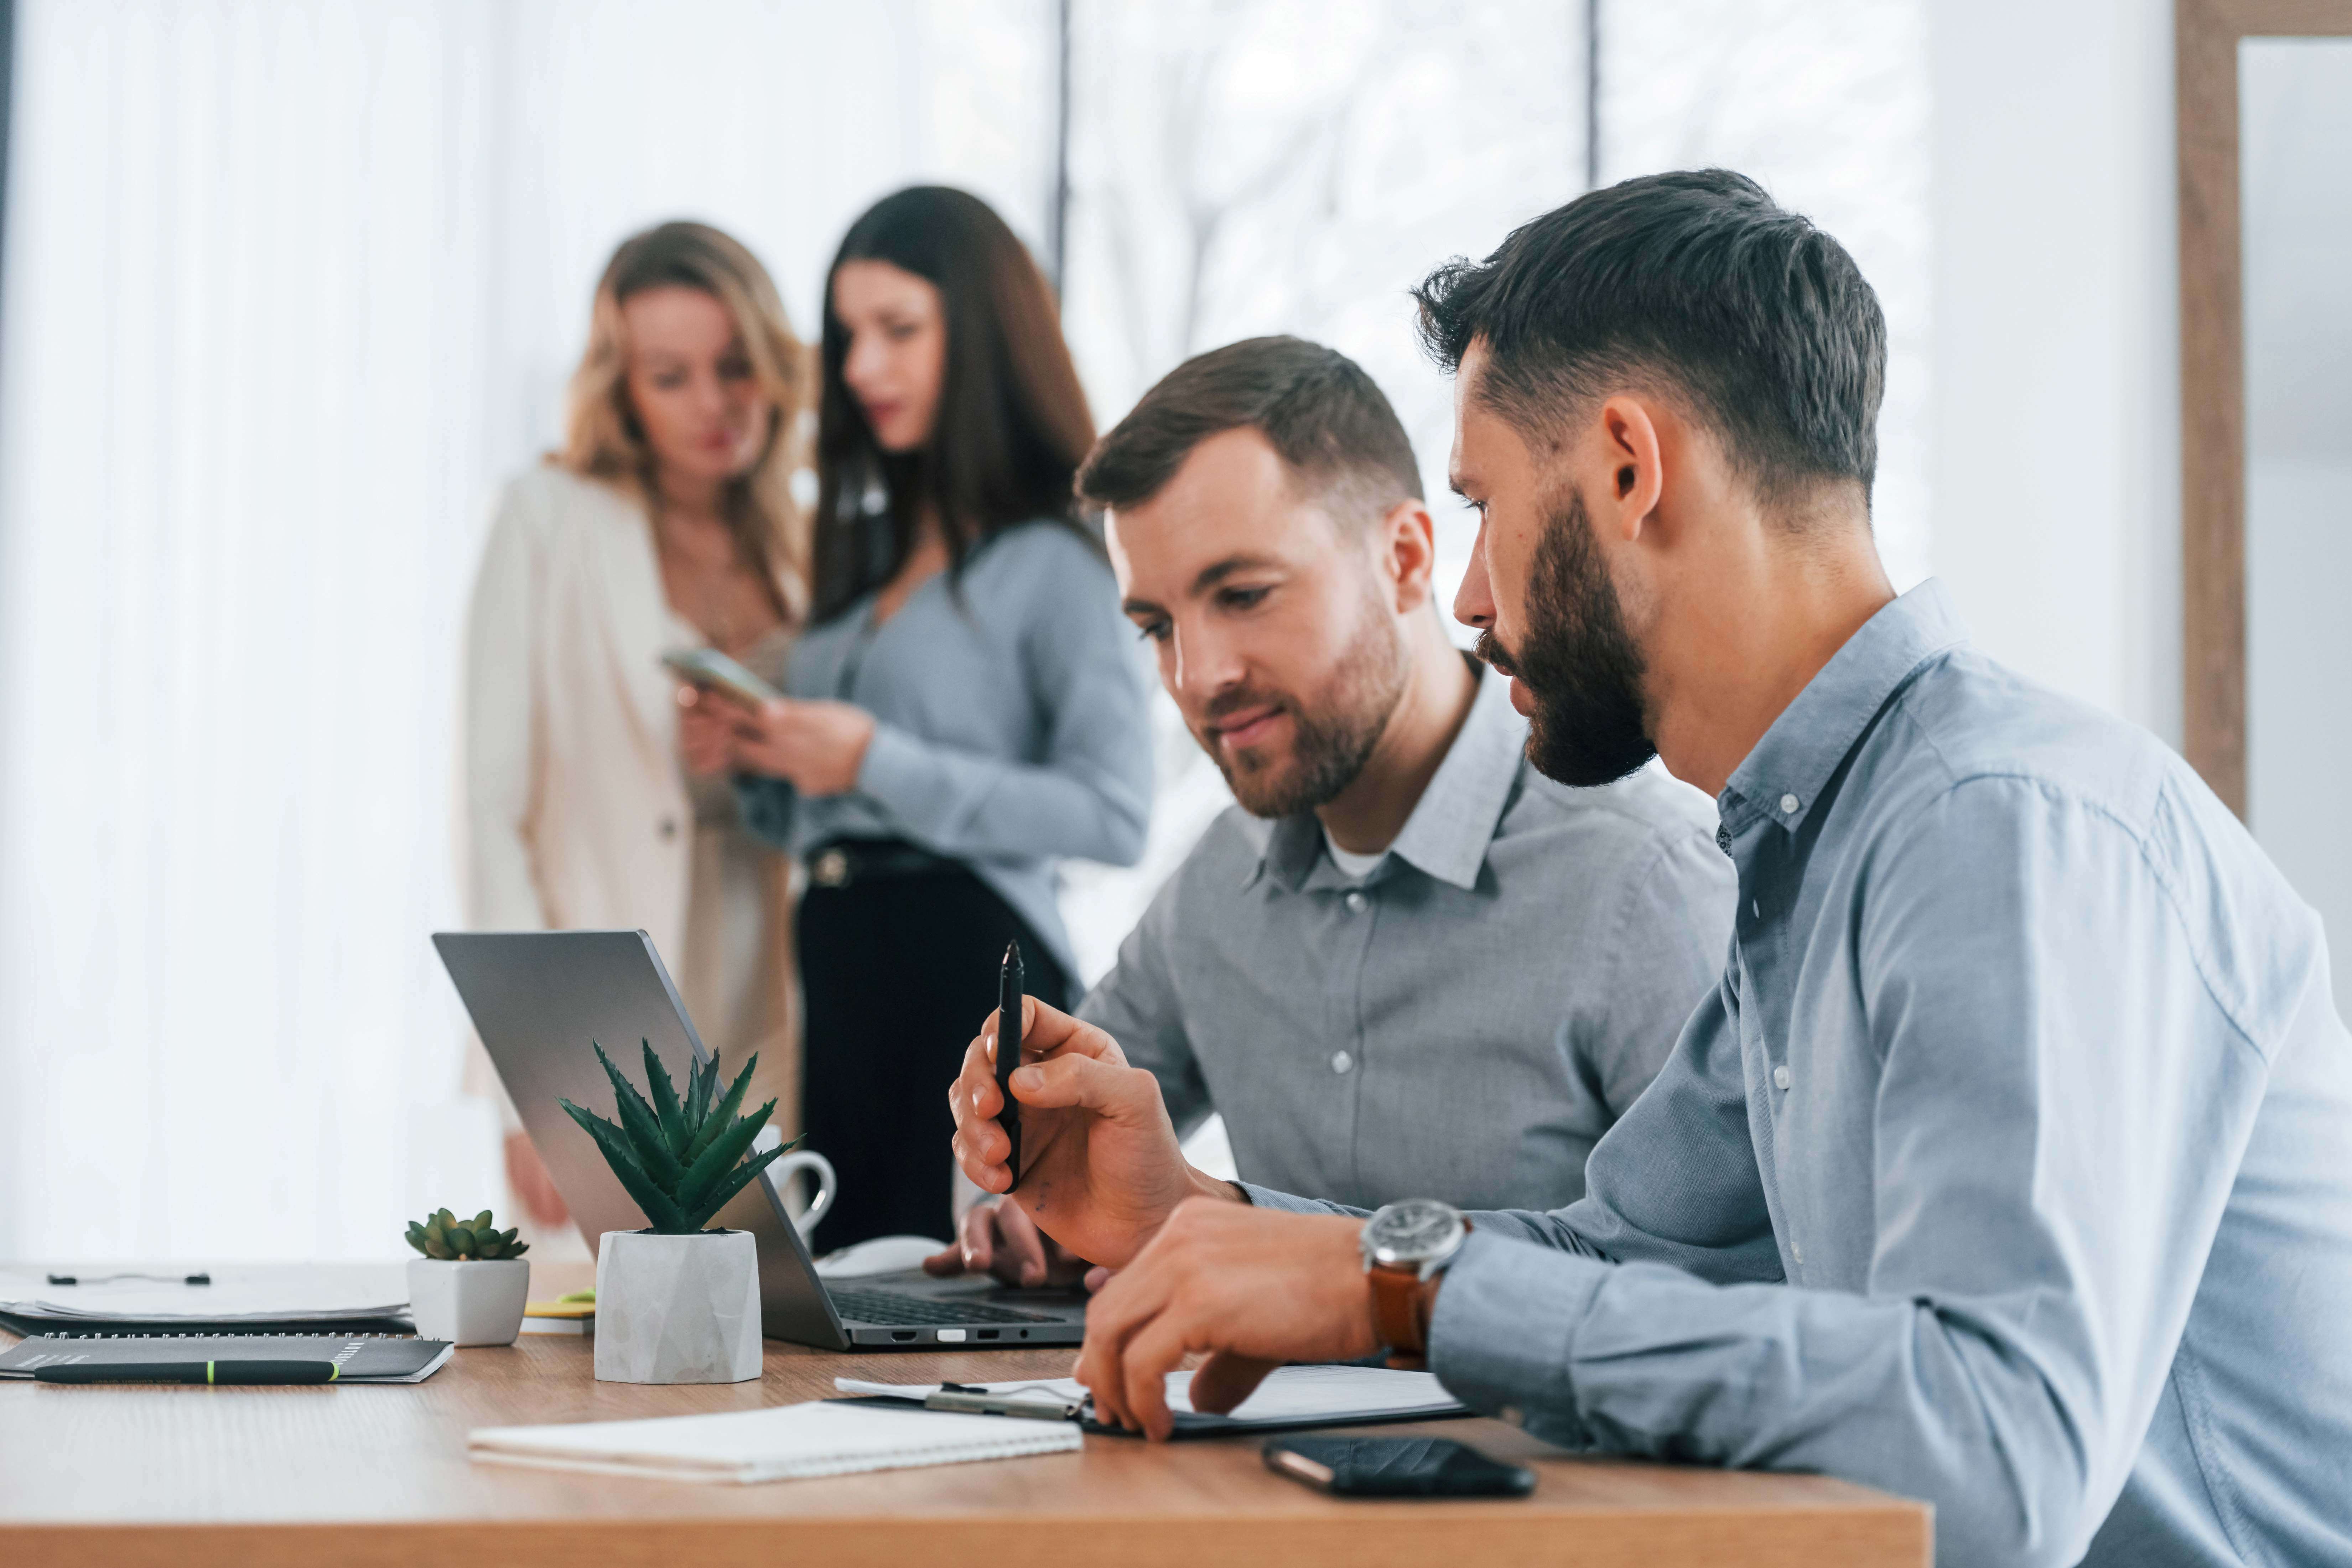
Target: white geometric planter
(469, 1303)
(677, 1308)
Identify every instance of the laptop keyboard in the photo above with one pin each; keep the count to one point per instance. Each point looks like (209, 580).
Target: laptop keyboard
(889, 1307)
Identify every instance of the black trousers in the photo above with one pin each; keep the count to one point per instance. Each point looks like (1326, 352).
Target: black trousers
(898, 973)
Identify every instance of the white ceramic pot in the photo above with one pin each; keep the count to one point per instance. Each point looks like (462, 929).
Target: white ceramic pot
(469, 1303)
(677, 1308)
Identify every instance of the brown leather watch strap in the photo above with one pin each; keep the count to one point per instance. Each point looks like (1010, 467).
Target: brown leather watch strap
(1397, 1315)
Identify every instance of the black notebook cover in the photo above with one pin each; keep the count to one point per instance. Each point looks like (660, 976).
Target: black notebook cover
(58, 1326)
(363, 1359)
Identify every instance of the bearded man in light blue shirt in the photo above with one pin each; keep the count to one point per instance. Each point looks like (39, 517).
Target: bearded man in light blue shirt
(2007, 1166)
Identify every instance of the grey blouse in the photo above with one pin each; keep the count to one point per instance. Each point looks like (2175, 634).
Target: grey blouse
(1010, 726)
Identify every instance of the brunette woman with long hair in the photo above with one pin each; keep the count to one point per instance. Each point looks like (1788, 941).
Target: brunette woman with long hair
(665, 520)
(964, 711)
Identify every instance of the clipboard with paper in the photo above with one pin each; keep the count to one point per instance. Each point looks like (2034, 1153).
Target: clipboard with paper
(1291, 1399)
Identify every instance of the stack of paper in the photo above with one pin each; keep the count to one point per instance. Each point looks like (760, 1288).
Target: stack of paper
(784, 1443)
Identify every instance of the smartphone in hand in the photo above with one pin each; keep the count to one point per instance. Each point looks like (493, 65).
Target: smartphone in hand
(1395, 1467)
(708, 670)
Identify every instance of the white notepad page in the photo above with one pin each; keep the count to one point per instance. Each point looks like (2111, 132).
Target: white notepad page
(786, 1442)
(1288, 1393)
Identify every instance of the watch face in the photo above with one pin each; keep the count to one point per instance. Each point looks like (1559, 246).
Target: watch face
(1413, 1232)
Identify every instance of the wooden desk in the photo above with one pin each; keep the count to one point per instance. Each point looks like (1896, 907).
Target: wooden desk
(188, 1478)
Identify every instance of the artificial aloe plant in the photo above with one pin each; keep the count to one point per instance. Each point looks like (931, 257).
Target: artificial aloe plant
(680, 1160)
(444, 1237)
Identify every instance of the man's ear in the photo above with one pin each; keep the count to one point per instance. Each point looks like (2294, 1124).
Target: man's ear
(1404, 545)
(1636, 467)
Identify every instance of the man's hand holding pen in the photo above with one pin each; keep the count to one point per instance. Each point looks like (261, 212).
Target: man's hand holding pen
(1200, 1270)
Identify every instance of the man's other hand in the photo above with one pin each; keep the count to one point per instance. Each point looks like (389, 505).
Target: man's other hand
(1101, 1168)
(1249, 1288)
(999, 1238)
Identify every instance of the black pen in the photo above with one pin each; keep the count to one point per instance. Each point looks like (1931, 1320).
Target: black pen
(1011, 1024)
(208, 1372)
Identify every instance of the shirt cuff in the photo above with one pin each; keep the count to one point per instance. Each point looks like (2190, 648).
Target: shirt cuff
(1505, 1327)
(766, 807)
(894, 771)
(1282, 1202)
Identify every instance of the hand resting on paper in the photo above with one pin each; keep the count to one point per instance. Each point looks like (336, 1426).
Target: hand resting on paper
(1201, 1271)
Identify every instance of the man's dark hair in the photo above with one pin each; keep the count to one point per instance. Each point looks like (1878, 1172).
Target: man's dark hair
(1321, 414)
(1694, 283)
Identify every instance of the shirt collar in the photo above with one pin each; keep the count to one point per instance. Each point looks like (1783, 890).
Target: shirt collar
(1455, 818)
(1790, 766)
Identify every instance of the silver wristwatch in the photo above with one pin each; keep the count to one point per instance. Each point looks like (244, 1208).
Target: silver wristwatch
(1419, 1236)
(1404, 1246)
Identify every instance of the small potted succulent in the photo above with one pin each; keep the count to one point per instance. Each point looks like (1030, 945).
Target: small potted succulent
(470, 1285)
(675, 1302)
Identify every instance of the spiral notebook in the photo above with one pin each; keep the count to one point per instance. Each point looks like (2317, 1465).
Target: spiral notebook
(784, 1442)
(363, 1358)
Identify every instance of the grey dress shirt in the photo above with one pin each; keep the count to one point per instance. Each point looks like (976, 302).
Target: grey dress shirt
(1010, 730)
(2009, 1167)
(1463, 1023)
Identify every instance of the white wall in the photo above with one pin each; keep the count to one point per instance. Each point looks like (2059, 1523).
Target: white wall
(2056, 464)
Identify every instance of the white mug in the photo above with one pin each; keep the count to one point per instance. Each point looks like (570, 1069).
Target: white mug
(782, 1173)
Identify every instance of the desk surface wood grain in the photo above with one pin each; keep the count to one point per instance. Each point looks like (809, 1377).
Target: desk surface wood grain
(190, 1477)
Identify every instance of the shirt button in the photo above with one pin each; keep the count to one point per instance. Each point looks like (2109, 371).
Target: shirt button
(1796, 1251)
(1342, 1062)
(1789, 804)
(1780, 1076)
(1356, 902)
(668, 828)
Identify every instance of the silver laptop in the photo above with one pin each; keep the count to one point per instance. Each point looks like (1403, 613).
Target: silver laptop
(538, 998)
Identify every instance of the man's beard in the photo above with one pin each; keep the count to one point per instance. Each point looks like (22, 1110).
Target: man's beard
(1329, 745)
(1578, 660)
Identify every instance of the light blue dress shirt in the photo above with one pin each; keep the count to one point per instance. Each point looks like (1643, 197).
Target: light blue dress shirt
(2010, 1167)
(1010, 730)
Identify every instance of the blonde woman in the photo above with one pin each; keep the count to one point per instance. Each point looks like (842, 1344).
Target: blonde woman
(666, 521)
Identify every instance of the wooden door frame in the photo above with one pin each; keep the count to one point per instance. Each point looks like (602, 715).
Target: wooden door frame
(2213, 369)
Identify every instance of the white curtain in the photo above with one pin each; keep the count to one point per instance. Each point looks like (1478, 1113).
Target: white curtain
(287, 289)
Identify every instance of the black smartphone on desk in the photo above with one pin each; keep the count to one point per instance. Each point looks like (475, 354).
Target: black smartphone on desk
(1395, 1467)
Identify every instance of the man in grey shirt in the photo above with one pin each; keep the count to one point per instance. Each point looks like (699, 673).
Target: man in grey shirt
(1405, 963)
(2005, 1167)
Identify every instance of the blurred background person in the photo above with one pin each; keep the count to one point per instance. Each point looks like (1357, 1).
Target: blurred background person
(666, 521)
(964, 710)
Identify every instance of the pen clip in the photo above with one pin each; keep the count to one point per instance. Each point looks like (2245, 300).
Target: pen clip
(978, 1403)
